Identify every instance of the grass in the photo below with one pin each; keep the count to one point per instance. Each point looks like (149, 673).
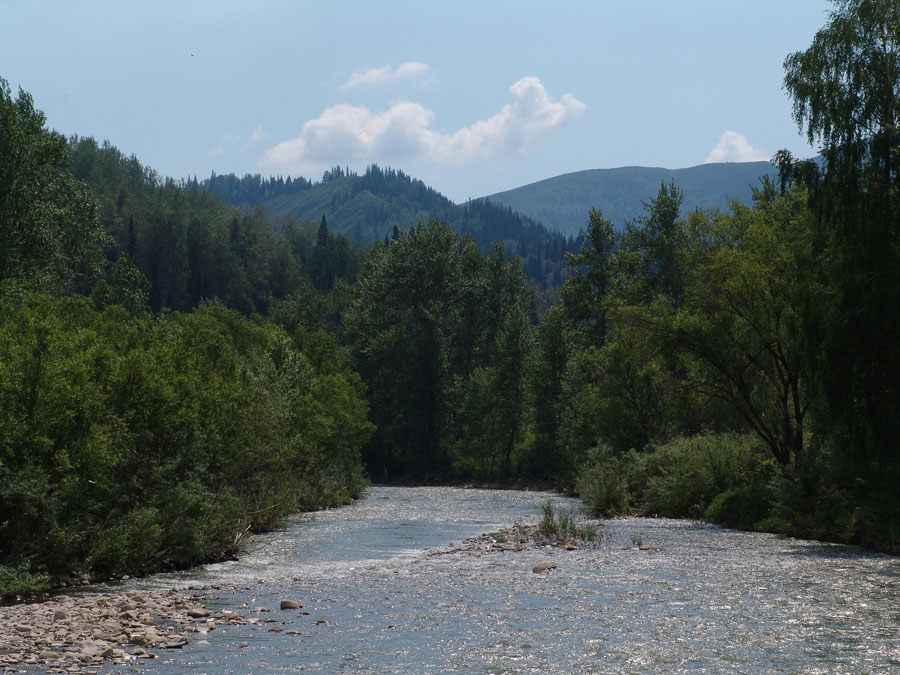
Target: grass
(561, 527)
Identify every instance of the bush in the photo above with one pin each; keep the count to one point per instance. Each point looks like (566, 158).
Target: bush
(603, 482)
(19, 580)
(747, 506)
(132, 443)
(678, 480)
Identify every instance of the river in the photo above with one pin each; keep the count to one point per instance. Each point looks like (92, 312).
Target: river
(380, 600)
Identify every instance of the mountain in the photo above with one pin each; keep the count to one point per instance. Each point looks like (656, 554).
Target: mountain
(562, 203)
(368, 207)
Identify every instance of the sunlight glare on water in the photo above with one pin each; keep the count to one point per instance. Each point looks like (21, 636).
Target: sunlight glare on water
(709, 600)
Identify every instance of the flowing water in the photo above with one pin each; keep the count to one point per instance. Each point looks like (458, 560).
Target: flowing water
(379, 599)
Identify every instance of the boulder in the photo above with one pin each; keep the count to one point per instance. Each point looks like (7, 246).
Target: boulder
(545, 566)
(290, 604)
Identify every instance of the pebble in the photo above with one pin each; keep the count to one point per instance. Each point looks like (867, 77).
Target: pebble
(70, 633)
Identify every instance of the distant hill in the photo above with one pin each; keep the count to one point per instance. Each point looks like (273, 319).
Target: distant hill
(368, 207)
(562, 203)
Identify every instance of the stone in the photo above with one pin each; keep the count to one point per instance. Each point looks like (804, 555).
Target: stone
(544, 566)
(198, 612)
(48, 656)
(60, 615)
(290, 604)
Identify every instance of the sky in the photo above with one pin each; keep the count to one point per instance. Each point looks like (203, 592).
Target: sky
(472, 97)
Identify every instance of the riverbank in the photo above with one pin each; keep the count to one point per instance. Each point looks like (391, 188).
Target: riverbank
(78, 633)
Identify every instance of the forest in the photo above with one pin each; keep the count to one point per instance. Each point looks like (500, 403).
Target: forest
(177, 371)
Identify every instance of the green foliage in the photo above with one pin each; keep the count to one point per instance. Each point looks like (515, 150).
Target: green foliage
(21, 581)
(739, 327)
(49, 232)
(441, 334)
(653, 250)
(604, 481)
(586, 293)
(844, 88)
(369, 207)
(132, 443)
(695, 477)
(558, 527)
(192, 247)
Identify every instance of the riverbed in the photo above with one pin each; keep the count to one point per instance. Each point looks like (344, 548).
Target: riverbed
(383, 588)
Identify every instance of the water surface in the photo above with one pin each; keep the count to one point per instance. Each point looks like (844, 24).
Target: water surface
(379, 600)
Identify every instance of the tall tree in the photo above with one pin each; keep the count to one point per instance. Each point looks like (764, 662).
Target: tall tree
(585, 294)
(845, 90)
(406, 324)
(49, 231)
(655, 244)
(740, 323)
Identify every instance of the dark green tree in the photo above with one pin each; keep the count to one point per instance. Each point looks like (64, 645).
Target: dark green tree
(653, 248)
(585, 294)
(406, 324)
(49, 231)
(845, 90)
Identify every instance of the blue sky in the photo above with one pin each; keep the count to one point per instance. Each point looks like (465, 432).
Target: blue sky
(471, 97)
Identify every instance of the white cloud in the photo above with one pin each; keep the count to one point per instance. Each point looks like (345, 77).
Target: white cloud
(733, 147)
(385, 74)
(348, 133)
(257, 135)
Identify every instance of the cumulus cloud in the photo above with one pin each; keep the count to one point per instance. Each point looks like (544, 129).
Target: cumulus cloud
(385, 74)
(345, 132)
(733, 147)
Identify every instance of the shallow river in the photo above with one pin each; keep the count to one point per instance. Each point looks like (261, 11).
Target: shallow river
(378, 600)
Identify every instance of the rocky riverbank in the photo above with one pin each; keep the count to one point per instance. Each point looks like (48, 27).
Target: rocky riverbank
(516, 538)
(77, 633)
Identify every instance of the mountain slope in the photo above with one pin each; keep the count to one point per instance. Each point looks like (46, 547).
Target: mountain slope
(562, 203)
(368, 207)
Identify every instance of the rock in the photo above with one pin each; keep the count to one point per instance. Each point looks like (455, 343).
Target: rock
(198, 612)
(48, 656)
(60, 615)
(650, 548)
(545, 566)
(290, 604)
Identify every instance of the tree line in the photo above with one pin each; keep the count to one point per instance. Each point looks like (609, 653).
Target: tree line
(150, 417)
(177, 371)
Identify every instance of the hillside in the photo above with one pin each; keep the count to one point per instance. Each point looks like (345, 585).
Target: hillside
(368, 207)
(562, 203)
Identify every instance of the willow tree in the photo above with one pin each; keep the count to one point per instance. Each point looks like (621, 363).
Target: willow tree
(845, 89)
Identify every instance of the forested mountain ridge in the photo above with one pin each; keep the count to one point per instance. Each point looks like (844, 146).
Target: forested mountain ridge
(561, 203)
(370, 206)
